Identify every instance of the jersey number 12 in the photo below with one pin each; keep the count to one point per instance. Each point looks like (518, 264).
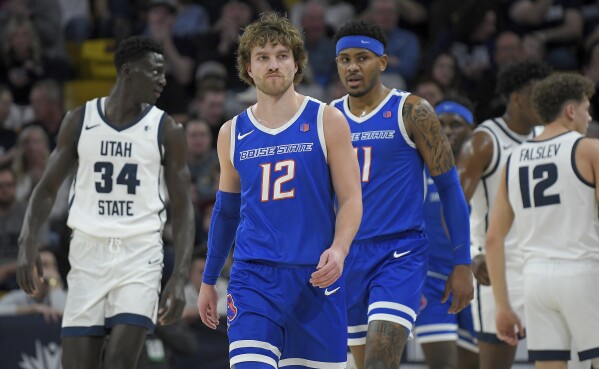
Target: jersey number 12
(548, 175)
(277, 192)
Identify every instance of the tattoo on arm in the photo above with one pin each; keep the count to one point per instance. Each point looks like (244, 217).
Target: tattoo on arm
(386, 341)
(431, 141)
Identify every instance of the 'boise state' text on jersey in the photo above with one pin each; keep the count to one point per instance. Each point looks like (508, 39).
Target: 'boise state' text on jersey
(287, 211)
(391, 169)
(119, 187)
(440, 256)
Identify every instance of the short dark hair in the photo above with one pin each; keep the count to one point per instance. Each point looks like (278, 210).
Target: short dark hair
(133, 49)
(515, 76)
(361, 28)
(550, 95)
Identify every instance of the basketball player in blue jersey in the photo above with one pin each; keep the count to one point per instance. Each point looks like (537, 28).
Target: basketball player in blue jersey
(124, 150)
(447, 340)
(394, 135)
(548, 191)
(479, 167)
(283, 160)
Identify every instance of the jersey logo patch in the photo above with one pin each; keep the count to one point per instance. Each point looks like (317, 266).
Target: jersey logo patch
(242, 136)
(398, 255)
(304, 127)
(328, 293)
(231, 309)
(90, 127)
(387, 114)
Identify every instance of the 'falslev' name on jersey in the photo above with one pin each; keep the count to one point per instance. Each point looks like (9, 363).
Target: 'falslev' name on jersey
(541, 152)
(275, 150)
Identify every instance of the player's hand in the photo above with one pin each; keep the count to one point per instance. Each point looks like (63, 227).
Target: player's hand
(506, 321)
(329, 268)
(207, 300)
(29, 270)
(172, 301)
(51, 315)
(479, 269)
(460, 286)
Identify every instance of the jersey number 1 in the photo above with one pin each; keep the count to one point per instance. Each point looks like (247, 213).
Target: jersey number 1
(548, 175)
(367, 161)
(277, 192)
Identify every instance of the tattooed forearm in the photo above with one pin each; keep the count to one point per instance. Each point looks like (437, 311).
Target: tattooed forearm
(386, 341)
(426, 131)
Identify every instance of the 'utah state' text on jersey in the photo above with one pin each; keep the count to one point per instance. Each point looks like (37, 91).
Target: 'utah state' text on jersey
(391, 169)
(287, 214)
(119, 188)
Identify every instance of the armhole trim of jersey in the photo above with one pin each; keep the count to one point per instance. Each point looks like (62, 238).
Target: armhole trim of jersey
(574, 167)
(81, 121)
(492, 167)
(159, 137)
(232, 139)
(320, 129)
(400, 122)
(507, 172)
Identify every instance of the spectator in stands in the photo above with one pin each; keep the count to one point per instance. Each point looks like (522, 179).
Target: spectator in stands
(47, 103)
(403, 47)
(49, 298)
(179, 54)
(429, 90)
(46, 18)
(591, 70)
(209, 104)
(220, 43)
(8, 137)
(318, 43)
(76, 21)
(444, 71)
(192, 19)
(23, 63)
(202, 159)
(33, 150)
(553, 27)
(12, 212)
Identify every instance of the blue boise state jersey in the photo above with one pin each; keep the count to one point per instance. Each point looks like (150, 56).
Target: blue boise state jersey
(440, 256)
(287, 212)
(391, 169)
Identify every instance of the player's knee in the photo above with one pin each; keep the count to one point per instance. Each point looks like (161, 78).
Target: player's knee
(252, 365)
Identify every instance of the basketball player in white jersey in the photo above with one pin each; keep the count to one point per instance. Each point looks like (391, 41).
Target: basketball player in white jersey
(549, 192)
(479, 167)
(125, 150)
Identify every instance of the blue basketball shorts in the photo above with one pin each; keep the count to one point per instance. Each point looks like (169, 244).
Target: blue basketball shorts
(384, 280)
(434, 324)
(276, 318)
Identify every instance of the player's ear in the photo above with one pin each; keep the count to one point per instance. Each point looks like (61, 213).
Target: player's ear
(248, 69)
(383, 61)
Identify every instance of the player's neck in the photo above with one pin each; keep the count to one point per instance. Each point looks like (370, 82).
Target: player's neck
(516, 124)
(555, 128)
(363, 105)
(120, 106)
(275, 111)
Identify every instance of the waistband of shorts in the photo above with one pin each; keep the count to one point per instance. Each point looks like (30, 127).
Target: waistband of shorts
(412, 233)
(91, 238)
(274, 264)
(560, 266)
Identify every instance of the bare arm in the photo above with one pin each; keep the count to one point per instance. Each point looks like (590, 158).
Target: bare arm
(177, 181)
(529, 12)
(569, 30)
(60, 164)
(345, 174)
(229, 182)
(475, 156)
(424, 128)
(587, 161)
(502, 217)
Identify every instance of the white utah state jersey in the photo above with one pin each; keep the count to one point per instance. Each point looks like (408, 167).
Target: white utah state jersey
(504, 141)
(554, 206)
(119, 188)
